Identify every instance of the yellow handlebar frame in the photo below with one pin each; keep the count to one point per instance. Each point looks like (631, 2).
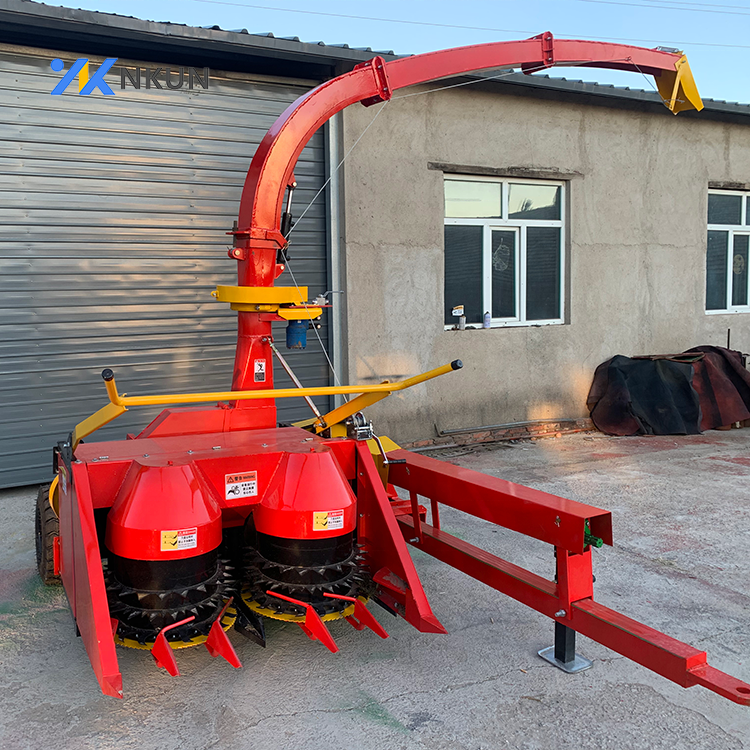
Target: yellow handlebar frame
(200, 398)
(119, 403)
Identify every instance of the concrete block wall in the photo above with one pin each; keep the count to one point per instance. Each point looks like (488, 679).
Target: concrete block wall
(637, 184)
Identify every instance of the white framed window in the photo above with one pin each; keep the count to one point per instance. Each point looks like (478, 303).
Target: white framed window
(727, 251)
(504, 250)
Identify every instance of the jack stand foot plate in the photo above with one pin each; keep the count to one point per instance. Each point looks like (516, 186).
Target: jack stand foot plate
(579, 664)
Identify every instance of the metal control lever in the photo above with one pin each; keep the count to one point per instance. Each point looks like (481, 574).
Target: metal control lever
(386, 460)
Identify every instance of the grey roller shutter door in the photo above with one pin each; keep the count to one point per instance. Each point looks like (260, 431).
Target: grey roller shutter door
(113, 214)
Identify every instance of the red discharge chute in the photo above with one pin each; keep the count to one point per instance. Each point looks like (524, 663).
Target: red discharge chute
(375, 81)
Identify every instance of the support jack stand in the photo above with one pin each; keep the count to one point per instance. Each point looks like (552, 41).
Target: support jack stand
(563, 654)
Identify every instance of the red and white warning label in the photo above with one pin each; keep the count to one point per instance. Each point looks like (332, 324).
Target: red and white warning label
(328, 520)
(259, 370)
(240, 485)
(179, 539)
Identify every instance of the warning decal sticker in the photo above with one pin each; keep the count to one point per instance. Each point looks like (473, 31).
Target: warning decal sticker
(172, 541)
(328, 520)
(259, 370)
(240, 485)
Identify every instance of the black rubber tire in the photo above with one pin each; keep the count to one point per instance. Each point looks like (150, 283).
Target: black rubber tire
(46, 528)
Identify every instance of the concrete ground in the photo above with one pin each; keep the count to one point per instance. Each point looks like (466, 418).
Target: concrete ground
(681, 509)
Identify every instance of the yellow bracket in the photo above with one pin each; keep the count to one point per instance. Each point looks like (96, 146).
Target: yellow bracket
(104, 416)
(261, 295)
(370, 394)
(299, 313)
(343, 412)
(269, 299)
(388, 445)
(678, 89)
(54, 495)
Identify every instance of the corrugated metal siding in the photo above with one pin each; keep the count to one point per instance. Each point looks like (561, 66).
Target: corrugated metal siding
(113, 214)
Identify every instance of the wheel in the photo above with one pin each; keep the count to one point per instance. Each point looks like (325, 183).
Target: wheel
(47, 527)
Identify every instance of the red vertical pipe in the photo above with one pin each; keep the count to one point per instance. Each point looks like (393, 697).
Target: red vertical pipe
(253, 365)
(257, 263)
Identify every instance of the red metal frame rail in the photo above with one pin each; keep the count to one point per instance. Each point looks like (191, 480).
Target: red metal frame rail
(561, 523)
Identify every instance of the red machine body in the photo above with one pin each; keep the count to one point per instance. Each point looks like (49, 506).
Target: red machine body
(293, 481)
(215, 516)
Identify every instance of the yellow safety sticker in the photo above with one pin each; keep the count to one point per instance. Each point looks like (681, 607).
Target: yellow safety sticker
(172, 541)
(328, 520)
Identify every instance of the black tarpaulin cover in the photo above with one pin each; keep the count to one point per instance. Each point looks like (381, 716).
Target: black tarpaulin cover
(681, 394)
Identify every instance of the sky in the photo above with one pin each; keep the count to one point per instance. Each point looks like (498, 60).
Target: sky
(713, 33)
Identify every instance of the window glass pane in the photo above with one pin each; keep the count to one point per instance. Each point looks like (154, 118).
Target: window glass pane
(463, 272)
(534, 202)
(716, 270)
(543, 273)
(747, 210)
(739, 270)
(724, 209)
(503, 274)
(472, 200)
